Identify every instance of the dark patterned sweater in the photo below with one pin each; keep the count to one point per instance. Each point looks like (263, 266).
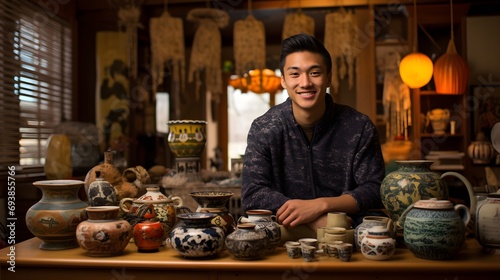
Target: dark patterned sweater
(344, 156)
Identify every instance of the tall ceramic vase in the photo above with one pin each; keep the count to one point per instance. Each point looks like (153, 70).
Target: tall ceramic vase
(187, 138)
(55, 217)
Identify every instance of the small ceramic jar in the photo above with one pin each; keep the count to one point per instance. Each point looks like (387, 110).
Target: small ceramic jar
(246, 243)
(196, 237)
(148, 234)
(377, 244)
(488, 221)
(266, 222)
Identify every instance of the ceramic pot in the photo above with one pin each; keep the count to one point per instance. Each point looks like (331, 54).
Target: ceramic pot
(148, 234)
(371, 221)
(488, 221)
(196, 237)
(434, 229)
(413, 181)
(377, 244)
(481, 152)
(215, 202)
(187, 138)
(55, 217)
(165, 209)
(138, 176)
(101, 192)
(107, 171)
(246, 243)
(103, 234)
(266, 222)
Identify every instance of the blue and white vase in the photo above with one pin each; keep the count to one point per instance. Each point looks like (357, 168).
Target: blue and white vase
(196, 237)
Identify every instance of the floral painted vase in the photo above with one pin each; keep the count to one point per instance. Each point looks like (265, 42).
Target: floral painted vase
(55, 217)
(187, 138)
(103, 234)
(246, 243)
(413, 181)
(377, 244)
(434, 229)
(196, 237)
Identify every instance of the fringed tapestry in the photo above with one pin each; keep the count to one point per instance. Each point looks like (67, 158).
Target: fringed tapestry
(296, 23)
(249, 45)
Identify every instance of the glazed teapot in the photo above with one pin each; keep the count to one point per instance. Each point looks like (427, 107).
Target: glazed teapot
(434, 229)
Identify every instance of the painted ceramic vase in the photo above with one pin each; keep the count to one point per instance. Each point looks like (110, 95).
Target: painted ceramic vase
(413, 181)
(55, 217)
(165, 208)
(148, 234)
(103, 234)
(487, 223)
(196, 237)
(371, 221)
(481, 152)
(266, 222)
(246, 243)
(215, 202)
(187, 138)
(377, 244)
(101, 192)
(434, 229)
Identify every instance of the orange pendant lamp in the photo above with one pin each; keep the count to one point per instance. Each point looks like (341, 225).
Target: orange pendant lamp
(416, 68)
(451, 72)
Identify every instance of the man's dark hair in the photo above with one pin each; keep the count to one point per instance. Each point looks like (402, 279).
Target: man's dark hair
(304, 42)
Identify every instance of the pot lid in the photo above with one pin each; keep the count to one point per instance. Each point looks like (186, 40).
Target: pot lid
(433, 203)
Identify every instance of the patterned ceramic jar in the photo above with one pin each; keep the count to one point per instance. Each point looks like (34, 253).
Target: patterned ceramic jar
(196, 237)
(246, 243)
(488, 221)
(186, 138)
(434, 229)
(368, 222)
(266, 222)
(377, 244)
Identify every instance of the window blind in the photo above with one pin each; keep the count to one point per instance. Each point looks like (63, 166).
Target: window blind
(35, 81)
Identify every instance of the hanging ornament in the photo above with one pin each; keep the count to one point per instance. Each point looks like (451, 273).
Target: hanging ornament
(451, 72)
(128, 18)
(206, 49)
(340, 41)
(167, 50)
(297, 23)
(249, 45)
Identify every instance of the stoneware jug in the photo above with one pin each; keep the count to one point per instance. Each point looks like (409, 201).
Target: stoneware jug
(266, 222)
(487, 223)
(434, 229)
(413, 181)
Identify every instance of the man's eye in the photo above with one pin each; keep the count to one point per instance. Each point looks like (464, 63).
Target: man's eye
(315, 74)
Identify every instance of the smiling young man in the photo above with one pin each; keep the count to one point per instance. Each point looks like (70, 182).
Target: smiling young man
(309, 156)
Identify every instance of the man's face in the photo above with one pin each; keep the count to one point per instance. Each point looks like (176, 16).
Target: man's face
(305, 78)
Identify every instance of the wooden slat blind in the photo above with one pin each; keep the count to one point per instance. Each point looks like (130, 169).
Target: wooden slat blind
(35, 81)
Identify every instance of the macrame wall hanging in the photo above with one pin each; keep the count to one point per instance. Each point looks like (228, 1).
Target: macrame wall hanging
(167, 50)
(206, 50)
(249, 44)
(340, 41)
(296, 23)
(128, 19)
(396, 98)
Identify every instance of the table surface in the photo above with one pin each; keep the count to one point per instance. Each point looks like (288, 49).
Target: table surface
(471, 258)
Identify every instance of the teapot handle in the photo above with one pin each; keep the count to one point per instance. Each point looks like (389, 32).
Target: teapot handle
(464, 213)
(467, 184)
(401, 220)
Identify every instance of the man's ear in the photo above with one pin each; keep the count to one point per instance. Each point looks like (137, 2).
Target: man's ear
(283, 84)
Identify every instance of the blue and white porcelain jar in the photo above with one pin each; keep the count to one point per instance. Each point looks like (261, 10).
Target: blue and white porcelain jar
(196, 237)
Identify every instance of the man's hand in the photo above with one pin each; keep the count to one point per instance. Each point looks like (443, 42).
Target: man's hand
(297, 211)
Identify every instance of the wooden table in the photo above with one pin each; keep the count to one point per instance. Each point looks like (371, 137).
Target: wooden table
(32, 263)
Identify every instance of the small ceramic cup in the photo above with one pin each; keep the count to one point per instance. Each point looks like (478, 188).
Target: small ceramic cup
(332, 250)
(309, 241)
(345, 251)
(293, 249)
(308, 253)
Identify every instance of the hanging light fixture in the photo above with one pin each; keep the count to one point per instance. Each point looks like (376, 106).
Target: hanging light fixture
(451, 71)
(416, 68)
(257, 81)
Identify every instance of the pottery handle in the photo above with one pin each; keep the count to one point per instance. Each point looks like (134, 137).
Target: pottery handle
(178, 202)
(401, 220)
(123, 204)
(464, 213)
(470, 190)
(243, 219)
